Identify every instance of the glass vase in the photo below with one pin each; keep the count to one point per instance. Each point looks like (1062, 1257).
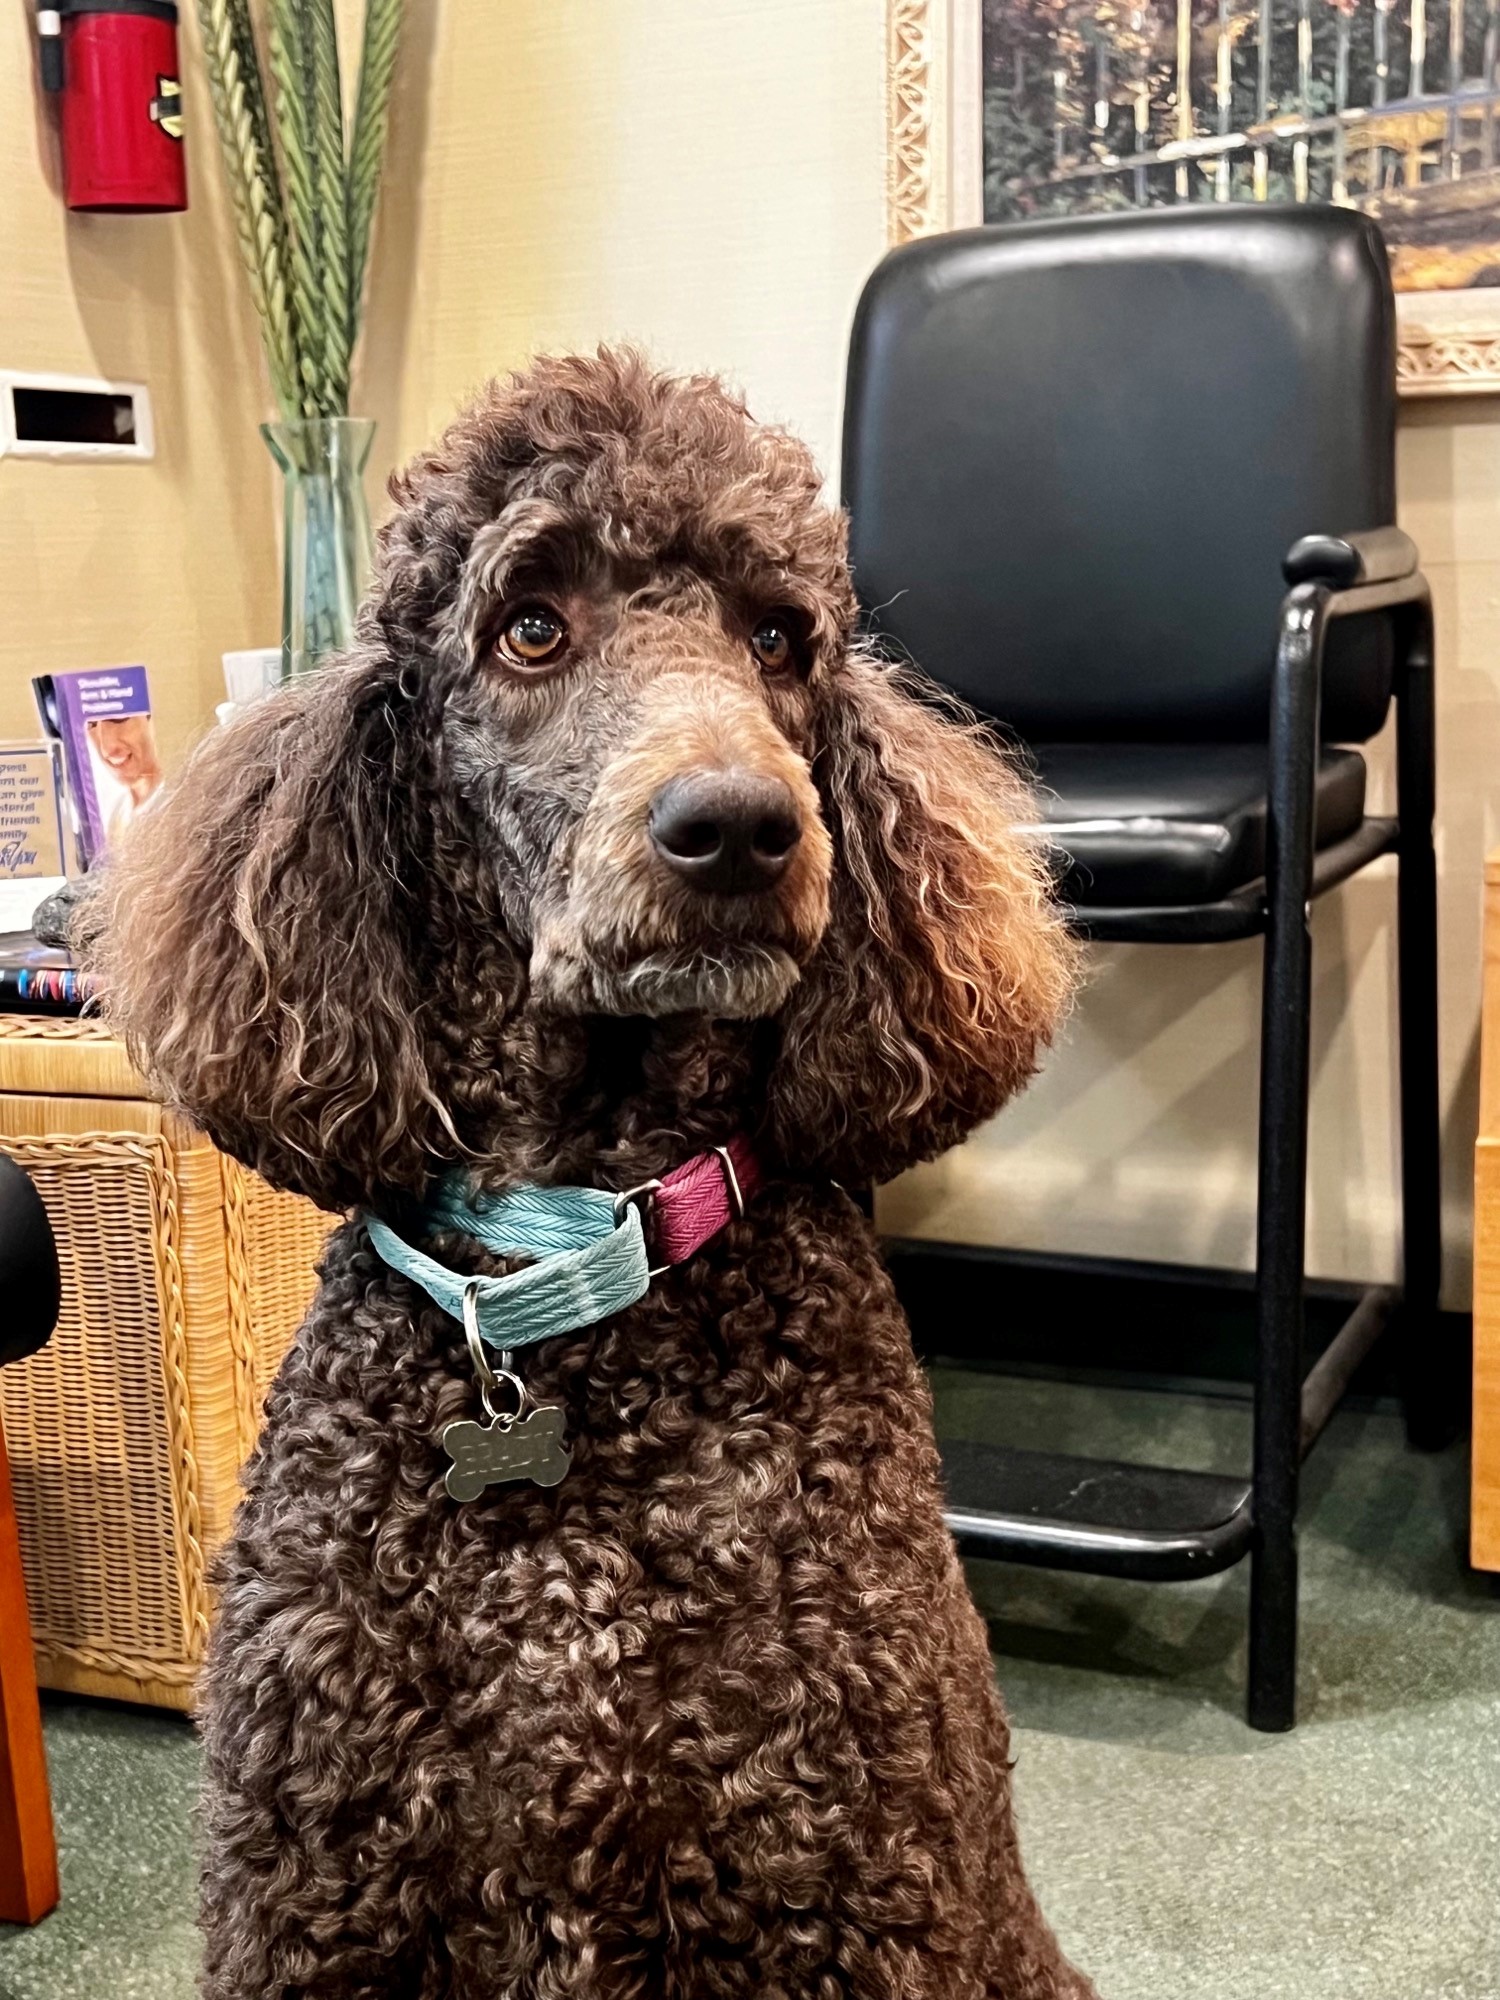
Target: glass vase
(326, 544)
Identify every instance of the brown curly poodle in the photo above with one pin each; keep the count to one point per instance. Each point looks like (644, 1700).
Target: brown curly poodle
(604, 845)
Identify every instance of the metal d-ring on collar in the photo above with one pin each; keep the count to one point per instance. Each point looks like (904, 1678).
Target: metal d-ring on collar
(641, 1196)
(731, 1180)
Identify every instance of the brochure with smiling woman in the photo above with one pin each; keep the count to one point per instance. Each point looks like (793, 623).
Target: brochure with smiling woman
(102, 718)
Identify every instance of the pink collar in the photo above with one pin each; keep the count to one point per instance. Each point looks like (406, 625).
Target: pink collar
(689, 1206)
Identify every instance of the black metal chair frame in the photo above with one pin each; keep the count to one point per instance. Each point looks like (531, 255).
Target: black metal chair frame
(1330, 578)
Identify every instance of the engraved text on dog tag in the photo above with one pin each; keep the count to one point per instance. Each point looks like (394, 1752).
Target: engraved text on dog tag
(529, 1447)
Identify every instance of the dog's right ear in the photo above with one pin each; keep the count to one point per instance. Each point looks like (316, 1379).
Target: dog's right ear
(254, 935)
(945, 967)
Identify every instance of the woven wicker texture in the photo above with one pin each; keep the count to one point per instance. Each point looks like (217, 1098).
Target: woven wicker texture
(273, 1243)
(100, 1433)
(184, 1280)
(65, 1056)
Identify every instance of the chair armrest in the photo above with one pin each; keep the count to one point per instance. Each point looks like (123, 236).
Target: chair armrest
(1347, 562)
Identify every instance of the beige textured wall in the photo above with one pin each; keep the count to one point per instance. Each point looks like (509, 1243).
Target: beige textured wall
(169, 562)
(709, 180)
(706, 179)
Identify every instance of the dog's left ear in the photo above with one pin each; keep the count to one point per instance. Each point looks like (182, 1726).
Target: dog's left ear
(257, 939)
(945, 967)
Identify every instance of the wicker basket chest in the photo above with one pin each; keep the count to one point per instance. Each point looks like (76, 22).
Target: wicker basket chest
(184, 1280)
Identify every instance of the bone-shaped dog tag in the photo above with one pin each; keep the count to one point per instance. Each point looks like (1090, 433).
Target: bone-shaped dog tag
(506, 1448)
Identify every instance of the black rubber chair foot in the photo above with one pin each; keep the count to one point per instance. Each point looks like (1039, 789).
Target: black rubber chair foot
(1273, 1719)
(1436, 1383)
(1433, 1420)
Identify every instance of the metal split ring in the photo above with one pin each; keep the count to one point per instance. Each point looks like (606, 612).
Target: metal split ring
(490, 1379)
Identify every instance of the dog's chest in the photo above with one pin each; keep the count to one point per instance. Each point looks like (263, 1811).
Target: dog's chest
(652, 1706)
(719, 1672)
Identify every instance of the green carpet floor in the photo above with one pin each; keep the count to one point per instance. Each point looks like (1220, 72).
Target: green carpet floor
(1179, 1856)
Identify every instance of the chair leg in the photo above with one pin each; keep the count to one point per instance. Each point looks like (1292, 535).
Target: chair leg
(1281, 1235)
(28, 1852)
(1432, 1380)
(1281, 1181)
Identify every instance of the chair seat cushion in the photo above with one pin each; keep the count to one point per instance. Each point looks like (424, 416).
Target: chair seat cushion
(1171, 824)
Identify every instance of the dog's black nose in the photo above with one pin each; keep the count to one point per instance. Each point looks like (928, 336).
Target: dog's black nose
(729, 833)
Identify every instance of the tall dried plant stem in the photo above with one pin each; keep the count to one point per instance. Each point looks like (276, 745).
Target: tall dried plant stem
(333, 201)
(239, 113)
(304, 190)
(296, 123)
(377, 68)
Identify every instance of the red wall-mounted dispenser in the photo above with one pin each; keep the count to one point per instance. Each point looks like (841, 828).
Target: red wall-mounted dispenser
(113, 66)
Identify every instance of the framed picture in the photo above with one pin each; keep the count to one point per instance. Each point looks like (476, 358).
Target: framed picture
(1001, 109)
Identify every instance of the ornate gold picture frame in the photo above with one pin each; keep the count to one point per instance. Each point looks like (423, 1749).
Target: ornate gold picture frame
(1449, 341)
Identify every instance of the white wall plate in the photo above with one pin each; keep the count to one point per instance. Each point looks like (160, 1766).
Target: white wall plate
(74, 417)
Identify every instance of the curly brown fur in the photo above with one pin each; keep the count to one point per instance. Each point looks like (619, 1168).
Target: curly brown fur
(714, 1719)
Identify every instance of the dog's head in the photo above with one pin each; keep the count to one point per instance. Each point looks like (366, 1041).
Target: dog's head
(603, 749)
(636, 604)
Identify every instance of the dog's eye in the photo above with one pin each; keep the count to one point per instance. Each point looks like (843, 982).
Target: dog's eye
(532, 637)
(774, 642)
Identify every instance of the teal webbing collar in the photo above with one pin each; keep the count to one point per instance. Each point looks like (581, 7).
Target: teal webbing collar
(591, 1261)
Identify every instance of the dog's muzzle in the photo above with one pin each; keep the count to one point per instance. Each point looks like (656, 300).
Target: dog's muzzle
(697, 879)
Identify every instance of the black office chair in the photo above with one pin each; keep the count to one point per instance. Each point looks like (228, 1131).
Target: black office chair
(1080, 458)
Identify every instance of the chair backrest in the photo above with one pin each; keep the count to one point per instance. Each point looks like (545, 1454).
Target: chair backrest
(1075, 453)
